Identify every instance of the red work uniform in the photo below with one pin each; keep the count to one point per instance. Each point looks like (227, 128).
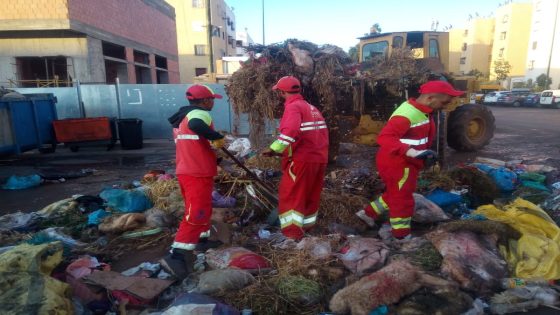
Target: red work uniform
(410, 126)
(304, 142)
(196, 167)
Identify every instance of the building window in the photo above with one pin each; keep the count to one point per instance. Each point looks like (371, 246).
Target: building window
(464, 47)
(501, 53)
(463, 60)
(198, 3)
(200, 71)
(199, 50)
(466, 33)
(532, 65)
(434, 48)
(503, 35)
(505, 18)
(534, 45)
(141, 57)
(398, 42)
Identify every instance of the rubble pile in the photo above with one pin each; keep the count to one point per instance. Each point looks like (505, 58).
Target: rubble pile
(480, 246)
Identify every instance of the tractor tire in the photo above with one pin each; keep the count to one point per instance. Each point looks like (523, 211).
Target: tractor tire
(470, 127)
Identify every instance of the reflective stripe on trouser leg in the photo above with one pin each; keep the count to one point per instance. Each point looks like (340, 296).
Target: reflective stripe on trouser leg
(299, 196)
(376, 208)
(400, 183)
(197, 193)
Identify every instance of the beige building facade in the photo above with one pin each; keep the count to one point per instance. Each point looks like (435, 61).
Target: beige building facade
(543, 55)
(476, 49)
(194, 29)
(511, 35)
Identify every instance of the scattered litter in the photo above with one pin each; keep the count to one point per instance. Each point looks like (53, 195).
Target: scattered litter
(223, 280)
(362, 254)
(22, 182)
(126, 200)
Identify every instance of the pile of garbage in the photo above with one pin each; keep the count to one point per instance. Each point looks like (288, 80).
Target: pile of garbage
(486, 240)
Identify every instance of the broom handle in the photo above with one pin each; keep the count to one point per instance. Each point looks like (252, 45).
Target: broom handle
(240, 164)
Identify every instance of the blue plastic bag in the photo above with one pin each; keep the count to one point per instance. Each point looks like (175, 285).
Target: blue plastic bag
(126, 200)
(97, 216)
(505, 179)
(22, 182)
(443, 198)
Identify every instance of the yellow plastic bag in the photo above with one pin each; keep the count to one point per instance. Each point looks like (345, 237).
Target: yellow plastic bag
(537, 253)
(25, 284)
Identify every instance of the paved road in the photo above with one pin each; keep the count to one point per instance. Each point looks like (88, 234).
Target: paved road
(531, 135)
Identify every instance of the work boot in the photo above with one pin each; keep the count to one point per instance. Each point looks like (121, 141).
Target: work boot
(179, 263)
(205, 244)
(366, 218)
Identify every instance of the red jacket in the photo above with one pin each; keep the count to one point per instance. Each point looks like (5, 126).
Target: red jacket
(194, 154)
(303, 132)
(398, 130)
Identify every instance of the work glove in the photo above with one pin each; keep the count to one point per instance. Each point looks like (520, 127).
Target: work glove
(429, 156)
(218, 143)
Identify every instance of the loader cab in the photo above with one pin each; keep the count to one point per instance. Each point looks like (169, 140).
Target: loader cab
(431, 48)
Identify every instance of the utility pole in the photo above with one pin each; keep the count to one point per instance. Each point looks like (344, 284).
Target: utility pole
(263, 21)
(210, 31)
(552, 45)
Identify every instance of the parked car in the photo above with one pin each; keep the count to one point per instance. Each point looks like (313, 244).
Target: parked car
(531, 100)
(513, 98)
(550, 98)
(492, 97)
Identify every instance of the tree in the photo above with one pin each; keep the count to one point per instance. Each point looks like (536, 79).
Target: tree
(375, 29)
(476, 74)
(353, 52)
(501, 69)
(543, 81)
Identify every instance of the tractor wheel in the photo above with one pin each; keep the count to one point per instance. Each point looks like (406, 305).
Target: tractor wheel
(470, 127)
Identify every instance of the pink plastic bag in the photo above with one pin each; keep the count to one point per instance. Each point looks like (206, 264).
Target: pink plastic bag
(236, 257)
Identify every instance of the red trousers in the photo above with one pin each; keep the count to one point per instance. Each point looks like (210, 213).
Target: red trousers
(197, 193)
(400, 184)
(299, 196)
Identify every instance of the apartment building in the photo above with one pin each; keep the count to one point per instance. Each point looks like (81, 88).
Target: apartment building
(543, 55)
(55, 42)
(511, 35)
(205, 33)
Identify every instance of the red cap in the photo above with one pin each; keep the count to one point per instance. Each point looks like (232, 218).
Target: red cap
(288, 84)
(439, 87)
(199, 92)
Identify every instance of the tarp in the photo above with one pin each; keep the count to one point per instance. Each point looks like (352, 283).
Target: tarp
(25, 284)
(537, 252)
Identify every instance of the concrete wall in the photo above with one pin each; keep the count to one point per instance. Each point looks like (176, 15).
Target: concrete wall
(515, 20)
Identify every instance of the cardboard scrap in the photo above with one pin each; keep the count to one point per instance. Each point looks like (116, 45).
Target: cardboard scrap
(144, 288)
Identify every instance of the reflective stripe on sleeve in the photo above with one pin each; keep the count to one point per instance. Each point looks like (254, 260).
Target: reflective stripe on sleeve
(188, 137)
(414, 142)
(422, 123)
(284, 137)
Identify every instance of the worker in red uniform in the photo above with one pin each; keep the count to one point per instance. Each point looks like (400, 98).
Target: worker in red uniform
(404, 149)
(196, 166)
(304, 144)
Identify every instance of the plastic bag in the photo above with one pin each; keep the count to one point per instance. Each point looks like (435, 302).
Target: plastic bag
(219, 201)
(505, 179)
(96, 217)
(122, 223)
(443, 198)
(223, 280)
(18, 221)
(316, 247)
(22, 182)
(194, 303)
(235, 257)
(240, 147)
(126, 200)
(363, 254)
(158, 218)
(426, 211)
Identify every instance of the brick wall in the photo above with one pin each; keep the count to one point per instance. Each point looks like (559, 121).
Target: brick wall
(132, 19)
(33, 9)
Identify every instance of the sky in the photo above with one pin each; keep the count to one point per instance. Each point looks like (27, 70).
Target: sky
(340, 22)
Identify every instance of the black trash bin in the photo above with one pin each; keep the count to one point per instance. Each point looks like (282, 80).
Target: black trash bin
(130, 133)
